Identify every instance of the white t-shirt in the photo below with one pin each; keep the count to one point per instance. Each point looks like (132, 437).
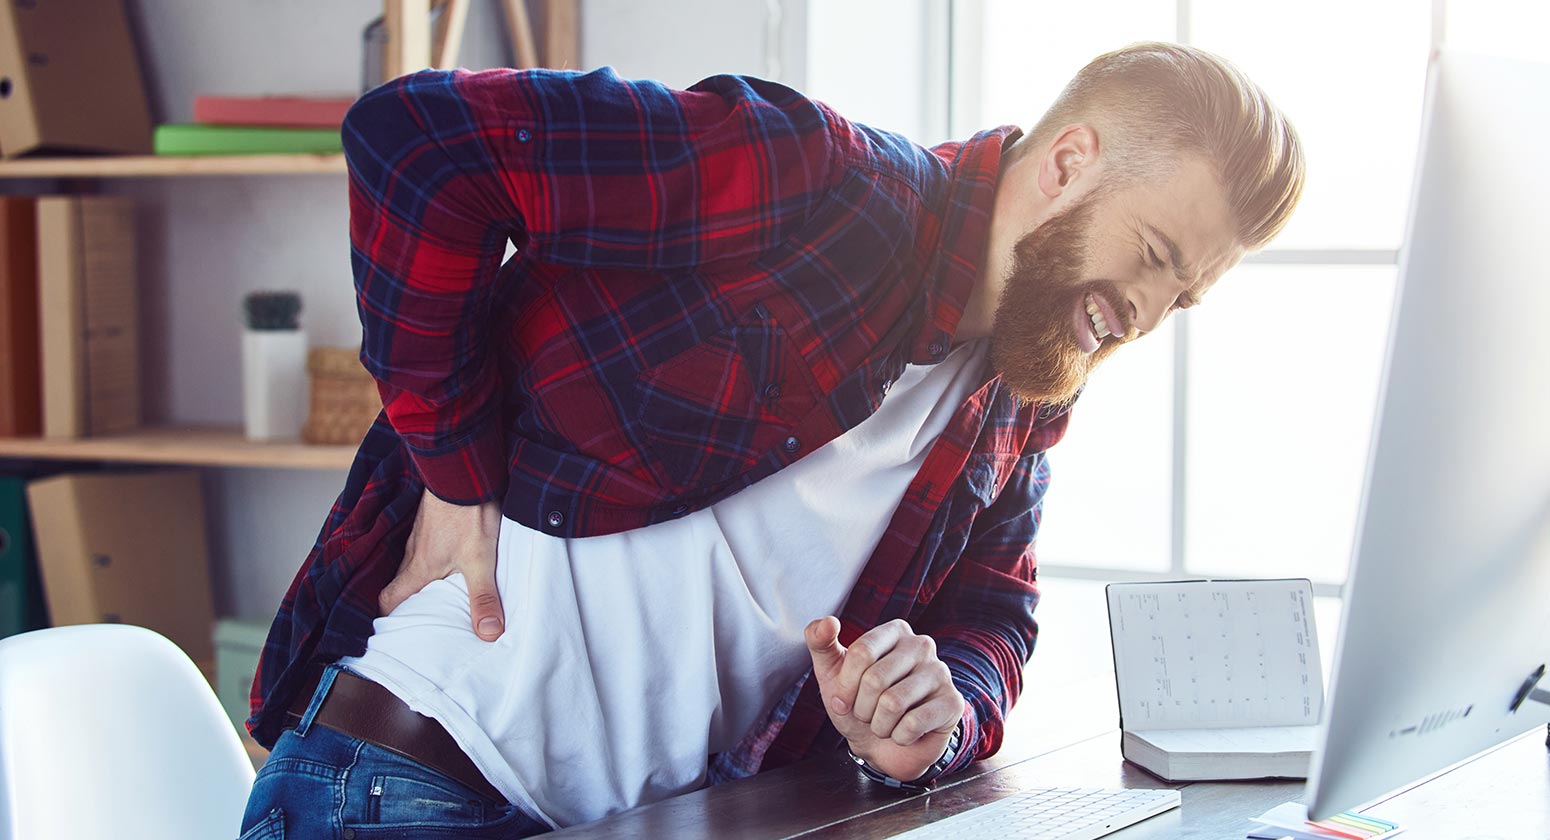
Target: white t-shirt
(627, 659)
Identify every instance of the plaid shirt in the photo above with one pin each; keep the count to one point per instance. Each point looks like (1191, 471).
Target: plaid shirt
(708, 284)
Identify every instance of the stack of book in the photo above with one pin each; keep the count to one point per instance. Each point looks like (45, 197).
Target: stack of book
(248, 125)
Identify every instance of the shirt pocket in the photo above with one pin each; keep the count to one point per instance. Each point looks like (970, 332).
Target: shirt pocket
(712, 412)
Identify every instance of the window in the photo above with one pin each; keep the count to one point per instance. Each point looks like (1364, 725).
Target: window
(1239, 444)
(1235, 441)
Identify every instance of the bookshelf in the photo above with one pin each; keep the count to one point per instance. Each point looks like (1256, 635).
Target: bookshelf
(188, 445)
(155, 166)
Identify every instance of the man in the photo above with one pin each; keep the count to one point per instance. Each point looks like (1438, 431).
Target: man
(739, 459)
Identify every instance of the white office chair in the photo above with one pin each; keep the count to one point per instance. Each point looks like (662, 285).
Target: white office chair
(108, 730)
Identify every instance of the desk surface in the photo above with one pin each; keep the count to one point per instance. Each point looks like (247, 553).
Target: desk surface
(1504, 793)
(1063, 733)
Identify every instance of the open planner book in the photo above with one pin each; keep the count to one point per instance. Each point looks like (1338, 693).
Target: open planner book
(1217, 679)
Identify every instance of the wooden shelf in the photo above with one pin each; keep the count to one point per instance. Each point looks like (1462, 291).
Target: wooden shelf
(157, 166)
(197, 446)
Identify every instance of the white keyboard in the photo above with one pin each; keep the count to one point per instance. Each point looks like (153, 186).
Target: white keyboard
(1051, 814)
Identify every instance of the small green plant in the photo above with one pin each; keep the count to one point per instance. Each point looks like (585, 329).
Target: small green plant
(272, 310)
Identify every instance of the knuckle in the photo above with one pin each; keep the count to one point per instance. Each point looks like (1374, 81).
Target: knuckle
(943, 673)
(485, 599)
(901, 625)
(873, 681)
(927, 644)
(890, 703)
(863, 652)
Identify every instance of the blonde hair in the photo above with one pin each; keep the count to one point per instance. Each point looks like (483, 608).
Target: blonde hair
(1153, 103)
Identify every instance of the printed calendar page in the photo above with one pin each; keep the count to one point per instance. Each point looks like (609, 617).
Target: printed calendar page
(1215, 654)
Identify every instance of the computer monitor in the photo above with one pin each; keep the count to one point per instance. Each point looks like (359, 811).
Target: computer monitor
(1445, 631)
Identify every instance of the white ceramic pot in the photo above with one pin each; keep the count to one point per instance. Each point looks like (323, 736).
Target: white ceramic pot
(274, 383)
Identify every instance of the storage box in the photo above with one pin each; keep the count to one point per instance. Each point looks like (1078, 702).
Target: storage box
(70, 80)
(344, 397)
(237, 646)
(126, 548)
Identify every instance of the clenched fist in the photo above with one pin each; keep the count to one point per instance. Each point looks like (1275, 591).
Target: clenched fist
(888, 694)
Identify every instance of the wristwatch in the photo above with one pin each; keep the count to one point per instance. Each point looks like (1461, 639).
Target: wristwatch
(922, 783)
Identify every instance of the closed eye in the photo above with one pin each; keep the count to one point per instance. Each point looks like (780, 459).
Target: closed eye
(1152, 257)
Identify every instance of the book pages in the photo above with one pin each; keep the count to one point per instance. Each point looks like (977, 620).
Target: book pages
(1215, 654)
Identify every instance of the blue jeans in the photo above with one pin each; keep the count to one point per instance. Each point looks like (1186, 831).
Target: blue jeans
(320, 784)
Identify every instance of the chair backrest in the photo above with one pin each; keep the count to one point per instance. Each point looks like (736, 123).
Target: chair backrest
(108, 730)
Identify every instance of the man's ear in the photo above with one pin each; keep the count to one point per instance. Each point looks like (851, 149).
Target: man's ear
(1073, 152)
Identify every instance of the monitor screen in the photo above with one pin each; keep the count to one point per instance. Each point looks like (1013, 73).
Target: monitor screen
(1446, 614)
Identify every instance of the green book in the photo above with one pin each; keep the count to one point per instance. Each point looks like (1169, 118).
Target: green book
(198, 139)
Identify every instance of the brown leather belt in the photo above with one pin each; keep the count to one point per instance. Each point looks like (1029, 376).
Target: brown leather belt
(363, 709)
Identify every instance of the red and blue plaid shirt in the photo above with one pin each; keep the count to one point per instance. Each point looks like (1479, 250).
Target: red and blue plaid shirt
(708, 284)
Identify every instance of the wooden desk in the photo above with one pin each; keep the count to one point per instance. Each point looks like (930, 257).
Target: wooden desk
(1503, 794)
(1063, 732)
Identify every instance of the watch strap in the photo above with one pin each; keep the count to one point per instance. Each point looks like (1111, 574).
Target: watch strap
(924, 781)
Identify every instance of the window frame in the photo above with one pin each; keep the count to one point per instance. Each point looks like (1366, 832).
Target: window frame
(964, 26)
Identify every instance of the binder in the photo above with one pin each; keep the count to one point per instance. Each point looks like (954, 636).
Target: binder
(21, 409)
(88, 315)
(21, 590)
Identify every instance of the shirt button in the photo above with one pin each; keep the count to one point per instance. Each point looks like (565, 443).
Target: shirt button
(760, 312)
(772, 391)
(349, 834)
(680, 510)
(556, 518)
(523, 135)
(792, 444)
(935, 348)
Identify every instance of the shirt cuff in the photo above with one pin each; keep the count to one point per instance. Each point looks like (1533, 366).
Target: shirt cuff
(969, 743)
(471, 472)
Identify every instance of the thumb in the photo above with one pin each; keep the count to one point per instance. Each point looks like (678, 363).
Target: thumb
(484, 602)
(823, 643)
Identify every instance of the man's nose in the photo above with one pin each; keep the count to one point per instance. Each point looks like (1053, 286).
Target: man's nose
(1150, 307)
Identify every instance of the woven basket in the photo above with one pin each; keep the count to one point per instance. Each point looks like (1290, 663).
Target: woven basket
(344, 400)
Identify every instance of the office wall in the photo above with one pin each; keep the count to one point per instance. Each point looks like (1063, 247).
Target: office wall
(208, 241)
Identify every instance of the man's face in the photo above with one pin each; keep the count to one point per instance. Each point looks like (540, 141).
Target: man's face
(1104, 271)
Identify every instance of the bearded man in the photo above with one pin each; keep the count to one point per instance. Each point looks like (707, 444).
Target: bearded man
(740, 458)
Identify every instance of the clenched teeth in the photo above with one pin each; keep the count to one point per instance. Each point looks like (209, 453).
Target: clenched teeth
(1100, 327)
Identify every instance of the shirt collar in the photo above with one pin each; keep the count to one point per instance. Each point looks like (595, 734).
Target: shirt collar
(974, 166)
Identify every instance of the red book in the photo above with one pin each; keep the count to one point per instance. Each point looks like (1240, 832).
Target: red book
(297, 111)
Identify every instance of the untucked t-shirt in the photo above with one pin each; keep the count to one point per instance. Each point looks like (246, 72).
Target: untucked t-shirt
(629, 658)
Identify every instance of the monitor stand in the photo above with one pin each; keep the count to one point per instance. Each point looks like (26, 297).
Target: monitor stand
(1530, 690)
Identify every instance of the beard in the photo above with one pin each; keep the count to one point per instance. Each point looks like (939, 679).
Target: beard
(1032, 344)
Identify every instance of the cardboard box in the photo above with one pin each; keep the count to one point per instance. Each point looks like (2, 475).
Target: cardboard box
(88, 315)
(72, 80)
(126, 548)
(237, 647)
